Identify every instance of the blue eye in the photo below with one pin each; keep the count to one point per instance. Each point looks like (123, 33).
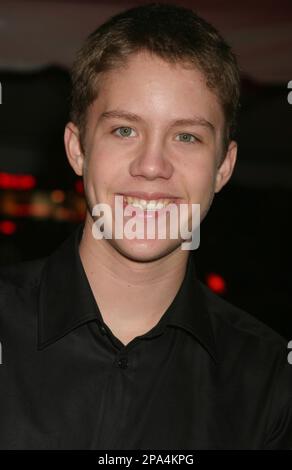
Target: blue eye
(124, 131)
(187, 138)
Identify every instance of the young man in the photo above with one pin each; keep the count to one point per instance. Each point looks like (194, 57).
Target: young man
(113, 343)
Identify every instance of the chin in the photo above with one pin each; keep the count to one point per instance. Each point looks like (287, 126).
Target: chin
(145, 250)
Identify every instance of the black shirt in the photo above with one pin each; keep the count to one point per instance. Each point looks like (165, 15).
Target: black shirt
(207, 376)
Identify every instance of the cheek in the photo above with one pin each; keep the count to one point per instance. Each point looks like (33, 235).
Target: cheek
(96, 159)
(101, 174)
(201, 179)
(104, 158)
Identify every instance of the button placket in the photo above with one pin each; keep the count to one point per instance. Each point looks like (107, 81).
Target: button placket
(122, 362)
(102, 330)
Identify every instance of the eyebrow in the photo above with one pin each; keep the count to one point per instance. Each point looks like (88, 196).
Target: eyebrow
(195, 121)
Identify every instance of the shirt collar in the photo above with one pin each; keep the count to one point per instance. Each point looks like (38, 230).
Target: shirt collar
(65, 297)
(66, 300)
(189, 311)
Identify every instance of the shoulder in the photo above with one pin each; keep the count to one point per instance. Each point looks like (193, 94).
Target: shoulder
(260, 356)
(19, 285)
(229, 318)
(24, 274)
(19, 292)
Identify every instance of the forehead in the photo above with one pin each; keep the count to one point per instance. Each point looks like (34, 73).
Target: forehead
(145, 69)
(147, 84)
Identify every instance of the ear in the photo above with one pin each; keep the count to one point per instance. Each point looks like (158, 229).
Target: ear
(73, 148)
(227, 166)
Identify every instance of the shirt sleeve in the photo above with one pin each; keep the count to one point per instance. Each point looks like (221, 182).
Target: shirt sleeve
(279, 427)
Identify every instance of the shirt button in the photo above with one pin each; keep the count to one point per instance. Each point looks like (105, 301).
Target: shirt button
(123, 362)
(102, 330)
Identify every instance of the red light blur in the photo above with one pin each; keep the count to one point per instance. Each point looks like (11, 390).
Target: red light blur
(79, 186)
(13, 181)
(7, 227)
(216, 283)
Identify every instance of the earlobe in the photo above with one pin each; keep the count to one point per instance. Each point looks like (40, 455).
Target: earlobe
(73, 148)
(227, 166)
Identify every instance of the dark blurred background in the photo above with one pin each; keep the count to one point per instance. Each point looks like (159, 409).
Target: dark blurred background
(244, 253)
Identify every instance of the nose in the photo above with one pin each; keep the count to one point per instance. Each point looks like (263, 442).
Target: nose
(151, 162)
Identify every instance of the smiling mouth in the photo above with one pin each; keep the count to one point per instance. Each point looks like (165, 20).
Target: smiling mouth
(143, 204)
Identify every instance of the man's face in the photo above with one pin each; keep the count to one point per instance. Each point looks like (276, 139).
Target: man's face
(154, 128)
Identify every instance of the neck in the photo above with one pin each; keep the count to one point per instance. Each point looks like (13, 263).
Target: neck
(132, 296)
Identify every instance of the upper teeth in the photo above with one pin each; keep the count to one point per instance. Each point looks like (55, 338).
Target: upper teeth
(149, 205)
